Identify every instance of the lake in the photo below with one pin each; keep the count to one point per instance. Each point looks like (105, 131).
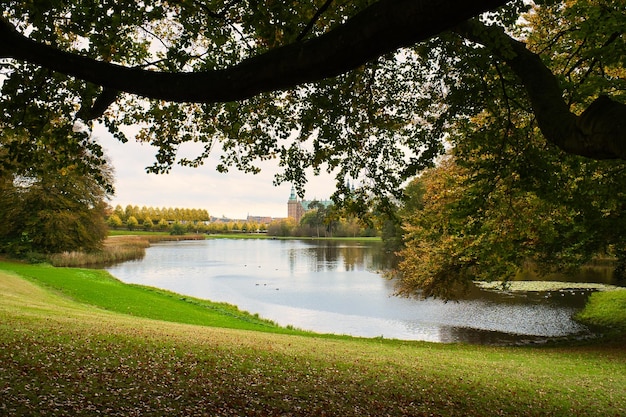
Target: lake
(335, 287)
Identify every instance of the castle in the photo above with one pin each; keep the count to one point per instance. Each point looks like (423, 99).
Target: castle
(297, 208)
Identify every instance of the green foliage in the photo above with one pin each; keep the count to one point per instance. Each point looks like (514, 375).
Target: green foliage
(281, 228)
(379, 124)
(316, 218)
(156, 214)
(488, 228)
(587, 51)
(147, 223)
(391, 228)
(178, 229)
(114, 221)
(132, 223)
(326, 223)
(358, 125)
(505, 197)
(163, 225)
(51, 206)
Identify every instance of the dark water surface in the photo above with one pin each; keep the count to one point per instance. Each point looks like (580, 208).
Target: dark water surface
(334, 287)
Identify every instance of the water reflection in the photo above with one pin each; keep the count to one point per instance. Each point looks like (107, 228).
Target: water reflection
(601, 273)
(333, 287)
(322, 256)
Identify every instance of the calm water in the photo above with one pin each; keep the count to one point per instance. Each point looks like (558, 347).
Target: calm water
(334, 287)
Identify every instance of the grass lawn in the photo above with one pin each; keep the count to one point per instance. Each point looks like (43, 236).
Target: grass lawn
(98, 288)
(265, 236)
(68, 347)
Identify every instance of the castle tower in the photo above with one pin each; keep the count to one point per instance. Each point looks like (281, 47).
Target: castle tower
(294, 207)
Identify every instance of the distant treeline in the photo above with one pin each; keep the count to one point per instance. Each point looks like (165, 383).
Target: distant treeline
(315, 223)
(176, 221)
(156, 214)
(134, 216)
(341, 227)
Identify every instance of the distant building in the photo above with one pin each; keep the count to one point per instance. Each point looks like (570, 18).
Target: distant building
(297, 208)
(260, 219)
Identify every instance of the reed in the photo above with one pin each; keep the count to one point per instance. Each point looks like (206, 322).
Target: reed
(118, 248)
(115, 249)
(170, 238)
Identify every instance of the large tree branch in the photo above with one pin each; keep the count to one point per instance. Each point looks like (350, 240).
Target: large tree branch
(379, 29)
(599, 132)
(311, 23)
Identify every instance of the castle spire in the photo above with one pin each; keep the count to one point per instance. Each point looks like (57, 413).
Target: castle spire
(293, 194)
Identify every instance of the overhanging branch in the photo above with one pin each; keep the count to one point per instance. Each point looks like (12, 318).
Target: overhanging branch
(379, 29)
(598, 133)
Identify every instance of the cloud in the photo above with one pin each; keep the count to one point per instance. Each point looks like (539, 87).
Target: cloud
(234, 195)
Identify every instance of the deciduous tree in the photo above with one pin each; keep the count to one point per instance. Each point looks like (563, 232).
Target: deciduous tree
(114, 221)
(53, 206)
(506, 198)
(355, 88)
(132, 223)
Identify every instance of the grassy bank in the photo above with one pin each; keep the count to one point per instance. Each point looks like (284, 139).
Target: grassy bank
(606, 310)
(62, 355)
(99, 289)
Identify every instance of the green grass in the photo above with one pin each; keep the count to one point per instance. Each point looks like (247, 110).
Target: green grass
(100, 289)
(61, 355)
(239, 236)
(606, 310)
(265, 236)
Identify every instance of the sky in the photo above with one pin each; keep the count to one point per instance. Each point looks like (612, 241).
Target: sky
(233, 195)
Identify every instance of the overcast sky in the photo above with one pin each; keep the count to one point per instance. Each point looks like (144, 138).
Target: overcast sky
(234, 195)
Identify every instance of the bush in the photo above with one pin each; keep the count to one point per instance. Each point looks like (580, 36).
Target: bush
(178, 229)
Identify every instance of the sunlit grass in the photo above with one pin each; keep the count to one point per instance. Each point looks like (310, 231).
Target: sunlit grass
(100, 289)
(60, 356)
(607, 310)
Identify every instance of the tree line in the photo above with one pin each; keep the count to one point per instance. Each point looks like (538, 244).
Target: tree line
(318, 222)
(344, 227)
(155, 215)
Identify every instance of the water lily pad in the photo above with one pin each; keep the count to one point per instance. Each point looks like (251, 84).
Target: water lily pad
(540, 286)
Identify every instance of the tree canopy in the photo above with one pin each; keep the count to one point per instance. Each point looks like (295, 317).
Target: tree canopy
(373, 91)
(504, 199)
(54, 204)
(357, 88)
